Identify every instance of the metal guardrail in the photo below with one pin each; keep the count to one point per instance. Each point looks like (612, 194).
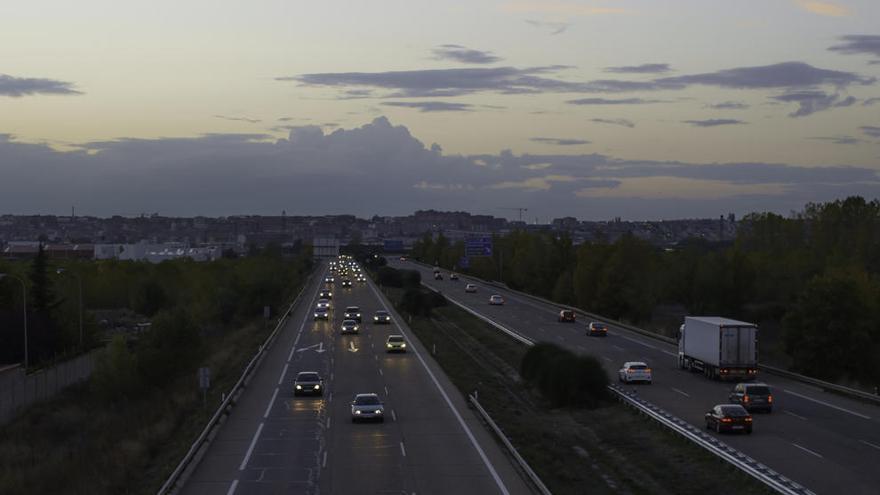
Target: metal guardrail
(175, 475)
(741, 461)
(750, 466)
(519, 459)
(840, 389)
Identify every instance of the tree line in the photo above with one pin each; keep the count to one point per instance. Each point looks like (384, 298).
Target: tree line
(813, 274)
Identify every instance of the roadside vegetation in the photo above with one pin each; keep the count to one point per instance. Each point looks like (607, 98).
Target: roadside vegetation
(125, 429)
(811, 281)
(577, 438)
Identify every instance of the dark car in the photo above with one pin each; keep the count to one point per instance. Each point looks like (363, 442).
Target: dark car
(438, 276)
(752, 396)
(308, 383)
(567, 315)
(729, 417)
(322, 314)
(346, 282)
(382, 317)
(453, 276)
(597, 329)
(353, 313)
(325, 294)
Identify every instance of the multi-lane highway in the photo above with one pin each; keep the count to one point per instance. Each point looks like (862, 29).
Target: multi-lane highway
(273, 442)
(829, 444)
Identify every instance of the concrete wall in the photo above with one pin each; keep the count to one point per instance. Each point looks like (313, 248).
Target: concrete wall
(17, 390)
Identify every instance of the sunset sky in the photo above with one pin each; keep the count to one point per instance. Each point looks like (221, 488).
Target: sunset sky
(642, 109)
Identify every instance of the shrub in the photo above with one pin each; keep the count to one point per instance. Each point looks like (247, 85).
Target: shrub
(563, 377)
(389, 277)
(411, 279)
(419, 302)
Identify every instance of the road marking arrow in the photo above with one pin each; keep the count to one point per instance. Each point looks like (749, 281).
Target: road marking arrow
(320, 348)
(351, 347)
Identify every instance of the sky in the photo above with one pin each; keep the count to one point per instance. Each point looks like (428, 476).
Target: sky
(639, 109)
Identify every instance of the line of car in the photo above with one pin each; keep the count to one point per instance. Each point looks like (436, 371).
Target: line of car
(733, 416)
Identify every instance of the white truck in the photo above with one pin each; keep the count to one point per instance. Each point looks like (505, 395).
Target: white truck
(720, 348)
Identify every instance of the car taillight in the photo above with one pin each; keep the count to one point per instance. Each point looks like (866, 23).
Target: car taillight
(770, 399)
(726, 420)
(648, 370)
(748, 419)
(745, 398)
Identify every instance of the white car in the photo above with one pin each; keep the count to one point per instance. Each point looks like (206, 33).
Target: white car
(350, 326)
(496, 300)
(367, 406)
(470, 288)
(635, 371)
(395, 343)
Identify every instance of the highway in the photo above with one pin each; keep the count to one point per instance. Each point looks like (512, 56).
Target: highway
(273, 442)
(828, 443)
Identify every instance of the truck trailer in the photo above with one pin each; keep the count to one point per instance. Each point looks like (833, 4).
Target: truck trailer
(720, 348)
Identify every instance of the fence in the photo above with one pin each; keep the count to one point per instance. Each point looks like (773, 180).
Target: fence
(19, 390)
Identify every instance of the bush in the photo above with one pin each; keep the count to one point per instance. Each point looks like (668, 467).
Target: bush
(389, 277)
(419, 302)
(565, 378)
(411, 279)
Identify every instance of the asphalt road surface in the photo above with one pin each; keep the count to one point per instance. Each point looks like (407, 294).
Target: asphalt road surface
(827, 443)
(274, 443)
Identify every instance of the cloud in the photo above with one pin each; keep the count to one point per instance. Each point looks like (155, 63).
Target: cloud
(810, 102)
(239, 119)
(606, 101)
(839, 139)
(216, 175)
(620, 122)
(559, 141)
(870, 101)
(25, 86)
(553, 27)
(823, 8)
(728, 105)
(461, 54)
(431, 106)
(713, 122)
(858, 44)
(640, 69)
(871, 131)
(782, 75)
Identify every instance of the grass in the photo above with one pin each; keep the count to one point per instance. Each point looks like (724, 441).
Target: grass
(608, 450)
(78, 444)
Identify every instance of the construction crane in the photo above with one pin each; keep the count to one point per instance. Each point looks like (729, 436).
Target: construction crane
(521, 210)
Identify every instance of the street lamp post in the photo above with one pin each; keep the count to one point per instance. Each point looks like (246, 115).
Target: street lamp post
(24, 314)
(62, 271)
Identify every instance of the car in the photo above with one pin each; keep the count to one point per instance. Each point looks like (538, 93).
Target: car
(395, 343)
(325, 294)
(752, 396)
(323, 304)
(438, 276)
(322, 314)
(367, 406)
(496, 300)
(329, 280)
(308, 383)
(350, 326)
(346, 282)
(403, 258)
(567, 315)
(597, 329)
(353, 313)
(635, 371)
(729, 417)
(453, 277)
(470, 288)
(382, 316)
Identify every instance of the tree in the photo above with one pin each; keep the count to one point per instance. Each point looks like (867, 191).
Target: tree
(42, 298)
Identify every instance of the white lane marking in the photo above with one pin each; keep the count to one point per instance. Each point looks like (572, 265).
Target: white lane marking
(380, 371)
(681, 392)
(798, 416)
(292, 350)
(869, 444)
(832, 406)
(402, 449)
(376, 356)
(324, 462)
(582, 348)
(808, 450)
(283, 372)
(328, 422)
(606, 358)
(617, 347)
(272, 401)
(637, 341)
(250, 449)
(393, 416)
(541, 329)
(232, 487)
(330, 397)
(461, 422)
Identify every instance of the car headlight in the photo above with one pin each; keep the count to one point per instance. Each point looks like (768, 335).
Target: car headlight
(378, 411)
(299, 387)
(317, 387)
(357, 411)
(316, 315)
(358, 315)
(387, 345)
(375, 318)
(402, 345)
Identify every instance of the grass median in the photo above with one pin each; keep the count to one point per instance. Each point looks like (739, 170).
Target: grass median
(608, 449)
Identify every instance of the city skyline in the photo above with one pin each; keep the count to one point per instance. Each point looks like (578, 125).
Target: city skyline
(593, 109)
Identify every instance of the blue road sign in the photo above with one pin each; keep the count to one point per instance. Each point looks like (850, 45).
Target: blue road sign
(478, 246)
(393, 246)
